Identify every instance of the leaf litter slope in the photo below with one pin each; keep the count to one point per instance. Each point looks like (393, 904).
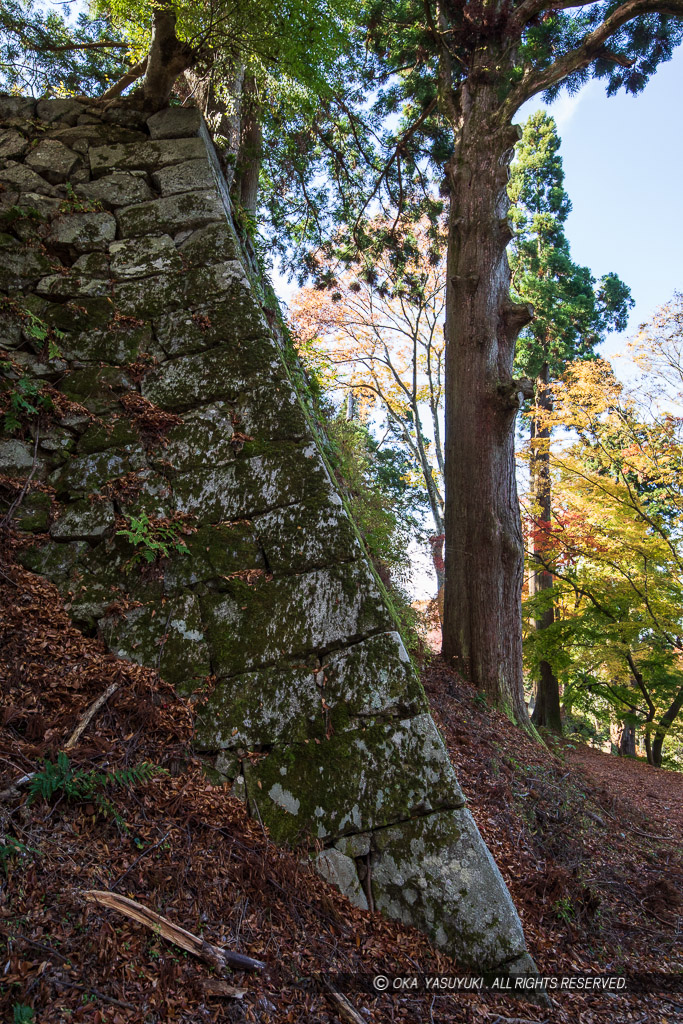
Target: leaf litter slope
(183, 848)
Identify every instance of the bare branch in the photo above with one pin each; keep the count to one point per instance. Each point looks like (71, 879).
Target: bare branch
(132, 75)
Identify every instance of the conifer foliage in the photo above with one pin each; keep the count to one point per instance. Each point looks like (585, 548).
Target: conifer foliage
(572, 313)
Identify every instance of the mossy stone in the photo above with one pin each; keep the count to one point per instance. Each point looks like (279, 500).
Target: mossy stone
(272, 413)
(168, 635)
(143, 257)
(191, 176)
(278, 704)
(247, 487)
(56, 561)
(21, 266)
(88, 313)
(215, 243)
(396, 689)
(84, 520)
(170, 214)
(145, 156)
(82, 232)
(231, 321)
(204, 437)
(222, 373)
(250, 626)
(33, 514)
(307, 536)
(360, 779)
(118, 189)
(216, 552)
(96, 387)
(88, 474)
(436, 873)
(101, 436)
(121, 344)
(67, 286)
(149, 297)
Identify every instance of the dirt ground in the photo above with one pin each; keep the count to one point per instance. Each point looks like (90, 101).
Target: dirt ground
(589, 846)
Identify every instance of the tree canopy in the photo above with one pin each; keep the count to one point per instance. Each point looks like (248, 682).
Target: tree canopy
(613, 544)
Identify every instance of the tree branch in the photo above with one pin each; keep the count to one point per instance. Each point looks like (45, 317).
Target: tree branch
(593, 46)
(101, 45)
(132, 75)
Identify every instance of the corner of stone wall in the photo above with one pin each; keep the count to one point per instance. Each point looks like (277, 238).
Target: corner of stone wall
(169, 400)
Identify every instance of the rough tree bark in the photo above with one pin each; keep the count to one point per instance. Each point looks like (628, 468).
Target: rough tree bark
(250, 152)
(627, 740)
(482, 608)
(663, 726)
(547, 697)
(168, 58)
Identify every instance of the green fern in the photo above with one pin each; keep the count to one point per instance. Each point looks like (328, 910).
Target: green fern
(22, 1014)
(78, 784)
(155, 538)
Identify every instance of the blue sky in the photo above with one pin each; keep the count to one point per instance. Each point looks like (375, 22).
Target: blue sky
(623, 161)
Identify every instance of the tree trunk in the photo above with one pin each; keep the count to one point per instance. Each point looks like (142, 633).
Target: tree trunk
(662, 729)
(627, 740)
(547, 695)
(250, 153)
(482, 635)
(167, 59)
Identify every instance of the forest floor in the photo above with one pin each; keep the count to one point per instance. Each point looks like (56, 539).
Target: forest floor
(589, 845)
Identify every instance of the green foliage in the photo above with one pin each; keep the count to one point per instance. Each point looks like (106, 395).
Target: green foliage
(75, 204)
(21, 397)
(155, 538)
(42, 54)
(564, 909)
(22, 1014)
(572, 312)
(614, 548)
(79, 784)
(9, 849)
(299, 38)
(384, 505)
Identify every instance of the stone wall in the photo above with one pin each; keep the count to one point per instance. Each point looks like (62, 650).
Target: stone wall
(167, 410)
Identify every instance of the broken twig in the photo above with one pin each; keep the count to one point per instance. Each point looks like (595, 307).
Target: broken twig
(89, 715)
(214, 955)
(346, 1010)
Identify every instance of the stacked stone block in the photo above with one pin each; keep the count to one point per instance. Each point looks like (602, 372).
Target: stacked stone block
(176, 403)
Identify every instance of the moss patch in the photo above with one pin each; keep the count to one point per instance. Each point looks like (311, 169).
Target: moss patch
(279, 704)
(252, 626)
(361, 778)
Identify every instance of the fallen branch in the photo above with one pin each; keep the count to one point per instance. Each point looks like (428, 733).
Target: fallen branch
(216, 988)
(648, 835)
(214, 955)
(346, 1010)
(89, 715)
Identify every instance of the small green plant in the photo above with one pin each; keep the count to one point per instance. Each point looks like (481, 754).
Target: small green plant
(481, 701)
(9, 849)
(155, 538)
(74, 203)
(22, 1014)
(79, 784)
(17, 213)
(21, 397)
(34, 327)
(564, 909)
